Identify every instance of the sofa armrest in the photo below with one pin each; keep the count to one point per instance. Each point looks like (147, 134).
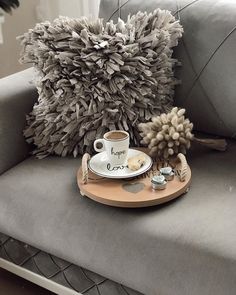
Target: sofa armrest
(17, 97)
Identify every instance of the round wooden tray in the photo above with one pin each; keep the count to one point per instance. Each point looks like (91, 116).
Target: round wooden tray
(132, 193)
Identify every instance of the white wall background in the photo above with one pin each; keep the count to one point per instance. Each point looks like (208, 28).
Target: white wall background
(75, 8)
(50, 9)
(14, 25)
(26, 16)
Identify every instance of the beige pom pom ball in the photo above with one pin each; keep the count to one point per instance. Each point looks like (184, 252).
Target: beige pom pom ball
(168, 134)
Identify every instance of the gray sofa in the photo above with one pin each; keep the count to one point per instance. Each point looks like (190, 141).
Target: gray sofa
(70, 244)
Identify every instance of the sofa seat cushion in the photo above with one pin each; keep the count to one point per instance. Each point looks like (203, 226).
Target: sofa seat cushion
(184, 247)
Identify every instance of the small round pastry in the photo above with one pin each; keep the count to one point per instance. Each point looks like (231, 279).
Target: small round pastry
(168, 173)
(158, 182)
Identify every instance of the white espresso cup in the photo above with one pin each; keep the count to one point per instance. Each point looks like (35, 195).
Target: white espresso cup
(116, 145)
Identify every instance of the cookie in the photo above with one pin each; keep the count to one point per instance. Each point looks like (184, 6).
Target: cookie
(136, 162)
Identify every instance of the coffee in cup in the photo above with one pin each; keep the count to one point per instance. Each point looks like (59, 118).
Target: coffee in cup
(116, 145)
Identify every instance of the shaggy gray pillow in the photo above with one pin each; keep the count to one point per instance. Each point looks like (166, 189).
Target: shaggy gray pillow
(95, 77)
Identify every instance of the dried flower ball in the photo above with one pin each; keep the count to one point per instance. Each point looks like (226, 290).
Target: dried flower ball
(168, 134)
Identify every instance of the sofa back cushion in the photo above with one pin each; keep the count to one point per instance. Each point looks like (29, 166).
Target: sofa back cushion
(207, 53)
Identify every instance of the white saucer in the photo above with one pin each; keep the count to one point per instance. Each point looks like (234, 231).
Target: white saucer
(99, 165)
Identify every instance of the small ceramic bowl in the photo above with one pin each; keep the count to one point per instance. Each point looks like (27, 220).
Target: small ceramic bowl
(158, 182)
(168, 173)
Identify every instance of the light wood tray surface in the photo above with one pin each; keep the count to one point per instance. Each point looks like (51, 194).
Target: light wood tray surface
(132, 193)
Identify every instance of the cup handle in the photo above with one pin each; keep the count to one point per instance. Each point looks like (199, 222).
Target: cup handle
(99, 150)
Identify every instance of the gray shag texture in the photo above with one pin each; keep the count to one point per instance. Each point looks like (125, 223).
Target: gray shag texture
(94, 77)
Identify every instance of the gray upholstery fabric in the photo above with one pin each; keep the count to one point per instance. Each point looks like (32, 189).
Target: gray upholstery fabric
(207, 52)
(186, 247)
(17, 96)
(60, 271)
(182, 248)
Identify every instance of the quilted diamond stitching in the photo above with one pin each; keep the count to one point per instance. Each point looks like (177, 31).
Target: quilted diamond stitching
(59, 270)
(46, 265)
(118, 9)
(96, 278)
(211, 57)
(198, 75)
(184, 7)
(3, 239)
(76, 278)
